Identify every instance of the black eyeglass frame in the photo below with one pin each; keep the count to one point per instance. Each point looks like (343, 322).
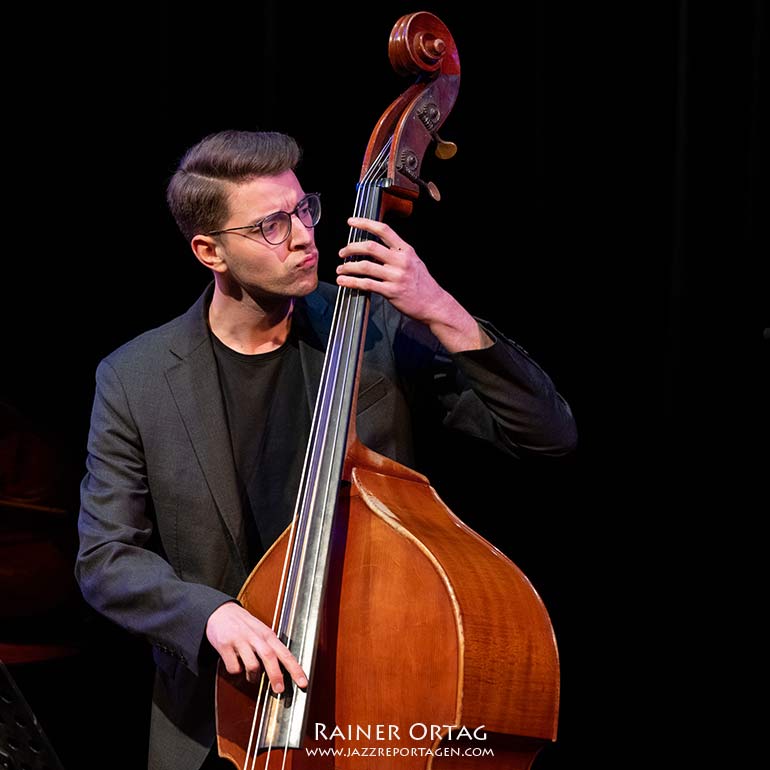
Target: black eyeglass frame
(290, 214)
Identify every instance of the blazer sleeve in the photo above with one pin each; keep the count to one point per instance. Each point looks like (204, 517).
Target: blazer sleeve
(498, 394)
(119, 574)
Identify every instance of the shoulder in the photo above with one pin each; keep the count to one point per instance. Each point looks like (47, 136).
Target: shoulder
(167, 343)
(146, 344)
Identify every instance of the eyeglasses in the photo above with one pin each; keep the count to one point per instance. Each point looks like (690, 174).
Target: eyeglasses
(276, 228)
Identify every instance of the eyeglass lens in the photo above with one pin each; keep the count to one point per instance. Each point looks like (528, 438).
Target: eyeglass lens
(277, 227)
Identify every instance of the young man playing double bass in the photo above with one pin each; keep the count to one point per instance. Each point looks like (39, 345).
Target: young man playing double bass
(199, 427)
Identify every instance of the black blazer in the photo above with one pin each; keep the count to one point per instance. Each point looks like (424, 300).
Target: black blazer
(162, 535)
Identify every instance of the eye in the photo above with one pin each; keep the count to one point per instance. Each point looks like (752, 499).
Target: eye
(272, 226)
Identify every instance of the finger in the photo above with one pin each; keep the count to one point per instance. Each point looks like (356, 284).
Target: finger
(250, 662)
(285, 656)
(232, 662)
(368, 269)
(292, 665)
(384, 233)
(272, 652)
(371, 250)
(375, 227)
(272, 668)
(384, 288)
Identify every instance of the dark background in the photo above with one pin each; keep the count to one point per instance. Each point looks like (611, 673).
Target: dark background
(603, 210)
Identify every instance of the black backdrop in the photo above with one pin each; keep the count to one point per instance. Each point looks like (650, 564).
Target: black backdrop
(602, 210)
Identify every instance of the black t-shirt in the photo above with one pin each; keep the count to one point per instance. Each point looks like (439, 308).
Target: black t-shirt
(269, 419)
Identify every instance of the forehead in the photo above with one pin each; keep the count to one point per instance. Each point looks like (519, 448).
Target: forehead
(264, 195)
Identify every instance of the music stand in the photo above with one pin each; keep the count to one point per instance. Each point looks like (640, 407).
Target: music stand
(23, 744)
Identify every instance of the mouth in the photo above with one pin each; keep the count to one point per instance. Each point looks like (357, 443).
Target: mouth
(311, 260)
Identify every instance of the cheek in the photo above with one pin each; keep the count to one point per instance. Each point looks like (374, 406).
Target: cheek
(254, 262)
(280, 255)
(259, 269)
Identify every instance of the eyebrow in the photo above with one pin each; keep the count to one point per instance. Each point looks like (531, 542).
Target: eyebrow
(278, 211)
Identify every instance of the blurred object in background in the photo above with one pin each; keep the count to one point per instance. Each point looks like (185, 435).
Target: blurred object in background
(23, 743)
(39, 600)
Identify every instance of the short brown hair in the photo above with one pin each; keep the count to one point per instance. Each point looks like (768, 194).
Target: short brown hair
(197, 193)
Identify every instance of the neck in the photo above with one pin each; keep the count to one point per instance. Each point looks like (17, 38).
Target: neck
(248, 325)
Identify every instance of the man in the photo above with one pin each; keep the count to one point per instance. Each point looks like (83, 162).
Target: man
(199, 427)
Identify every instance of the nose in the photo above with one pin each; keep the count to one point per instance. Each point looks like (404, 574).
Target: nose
(300, 233)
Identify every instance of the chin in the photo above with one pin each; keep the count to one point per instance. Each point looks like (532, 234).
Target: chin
(306, 286)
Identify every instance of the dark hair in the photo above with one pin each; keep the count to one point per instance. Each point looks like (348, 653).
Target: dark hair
(197, 193)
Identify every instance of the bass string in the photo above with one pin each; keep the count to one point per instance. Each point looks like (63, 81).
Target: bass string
(299, 522)
(347, 307)
(353, 300)
(350, 305)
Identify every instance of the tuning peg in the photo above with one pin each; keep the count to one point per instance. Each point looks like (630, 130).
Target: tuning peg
(430, 115)
(430, 187)
(408, 165)
(444, 150)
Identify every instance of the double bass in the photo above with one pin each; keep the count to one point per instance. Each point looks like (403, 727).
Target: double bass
(424, 645)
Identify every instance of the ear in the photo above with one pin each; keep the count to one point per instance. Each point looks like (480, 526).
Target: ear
(208, 252)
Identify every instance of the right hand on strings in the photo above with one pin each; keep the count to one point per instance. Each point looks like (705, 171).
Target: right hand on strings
(246, 645)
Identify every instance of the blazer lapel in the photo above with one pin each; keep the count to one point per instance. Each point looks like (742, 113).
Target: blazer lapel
(313, 317)
(194, 382)
(312, 320)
